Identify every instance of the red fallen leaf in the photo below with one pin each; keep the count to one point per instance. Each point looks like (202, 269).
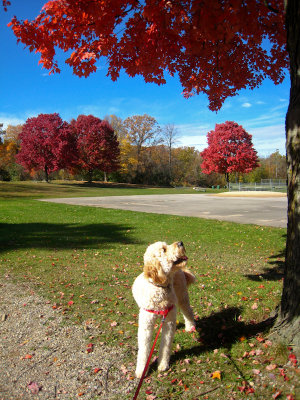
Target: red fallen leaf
(70, 303)
(186, 388)
(34, 387)
(261, 287)
(89, 348)
(282, 373)
(27, 356)
(96, 370)
(290, 397)
(149, 392)
(277, 394)
(173, 381)
(293, 359)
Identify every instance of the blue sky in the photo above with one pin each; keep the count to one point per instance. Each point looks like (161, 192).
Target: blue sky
(28, 90)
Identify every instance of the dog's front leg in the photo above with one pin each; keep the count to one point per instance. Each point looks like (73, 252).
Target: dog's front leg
(167, 335)
(145, 332)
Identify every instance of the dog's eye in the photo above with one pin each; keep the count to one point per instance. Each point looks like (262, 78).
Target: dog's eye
(164, 249)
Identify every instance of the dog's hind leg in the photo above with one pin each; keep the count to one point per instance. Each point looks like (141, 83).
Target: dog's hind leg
(145, 332)
(167, 334)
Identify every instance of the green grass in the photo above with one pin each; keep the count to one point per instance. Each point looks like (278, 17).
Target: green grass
(90, 256)
(83, 189)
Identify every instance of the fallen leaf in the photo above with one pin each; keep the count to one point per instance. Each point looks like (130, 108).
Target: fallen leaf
(216, 375)
(271, 367)
(277, 394)
(34, 387)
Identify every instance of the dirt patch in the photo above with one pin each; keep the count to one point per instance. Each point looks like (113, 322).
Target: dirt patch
(43, 356)
(251, 194)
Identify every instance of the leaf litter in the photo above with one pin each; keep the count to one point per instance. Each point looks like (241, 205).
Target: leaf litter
(44, 357)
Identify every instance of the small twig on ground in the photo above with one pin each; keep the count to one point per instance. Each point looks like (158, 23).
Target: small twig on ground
(106, 378)
(208, 391)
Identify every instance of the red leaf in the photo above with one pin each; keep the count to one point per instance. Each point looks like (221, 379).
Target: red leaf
(34, 387)
(293, 359)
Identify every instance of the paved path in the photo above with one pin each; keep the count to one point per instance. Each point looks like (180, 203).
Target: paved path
(266, 211)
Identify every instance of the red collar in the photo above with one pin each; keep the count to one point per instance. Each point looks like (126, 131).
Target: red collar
(164, 313)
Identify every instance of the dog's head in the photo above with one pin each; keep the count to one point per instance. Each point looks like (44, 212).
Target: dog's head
(162, 260)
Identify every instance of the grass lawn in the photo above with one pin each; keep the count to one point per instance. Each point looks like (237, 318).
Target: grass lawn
(84, 260)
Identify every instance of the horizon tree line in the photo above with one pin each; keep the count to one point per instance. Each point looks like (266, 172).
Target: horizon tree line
(133, 150)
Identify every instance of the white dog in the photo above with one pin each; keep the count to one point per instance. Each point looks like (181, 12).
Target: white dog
(162, 286)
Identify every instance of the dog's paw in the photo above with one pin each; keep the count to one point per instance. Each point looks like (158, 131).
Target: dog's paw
(163, 366)
(190, 328)
(139, 373)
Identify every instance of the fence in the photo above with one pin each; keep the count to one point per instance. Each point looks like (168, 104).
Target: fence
(273, 185)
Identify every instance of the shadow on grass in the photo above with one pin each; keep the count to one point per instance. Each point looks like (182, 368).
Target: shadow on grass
(221, 329)
(63, 236)
(274, 273)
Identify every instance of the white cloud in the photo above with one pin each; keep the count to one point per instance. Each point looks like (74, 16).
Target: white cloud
(10, 120)
(246, 105)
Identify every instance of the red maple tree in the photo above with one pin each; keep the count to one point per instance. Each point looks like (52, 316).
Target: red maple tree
(195, 40)
(230, 149)
(97, 145)
(47, 144)
(215, 47)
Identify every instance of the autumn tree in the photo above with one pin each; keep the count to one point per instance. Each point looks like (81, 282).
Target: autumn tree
(197, 41)
(230, 149)
(12, 133)
(97, 145)
(142, 131)
(47, 144)
(170, 138)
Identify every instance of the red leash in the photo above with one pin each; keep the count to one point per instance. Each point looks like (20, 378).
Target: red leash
(164, 314)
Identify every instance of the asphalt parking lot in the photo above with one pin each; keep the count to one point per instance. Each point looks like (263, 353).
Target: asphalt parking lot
(265, 210)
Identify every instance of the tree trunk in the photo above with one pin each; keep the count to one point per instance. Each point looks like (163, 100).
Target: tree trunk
(46, 174)
(90, 176)
(288, 323)
(227, 179)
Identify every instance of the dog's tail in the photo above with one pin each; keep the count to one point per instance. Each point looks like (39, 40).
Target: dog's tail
(190, 278)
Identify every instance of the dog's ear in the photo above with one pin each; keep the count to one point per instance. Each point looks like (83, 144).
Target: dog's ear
(154, 272)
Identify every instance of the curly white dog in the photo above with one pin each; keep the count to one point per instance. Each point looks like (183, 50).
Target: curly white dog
(162, 286)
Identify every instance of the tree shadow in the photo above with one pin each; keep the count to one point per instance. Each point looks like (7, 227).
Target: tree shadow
(273, 273)
(221, 329)
(63, 236)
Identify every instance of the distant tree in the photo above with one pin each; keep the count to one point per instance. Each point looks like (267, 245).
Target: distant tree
(47, 144)
(230, 149)
(97, 144)
(12, 133)
(170, 137)
(186, 161)
(143, 131)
